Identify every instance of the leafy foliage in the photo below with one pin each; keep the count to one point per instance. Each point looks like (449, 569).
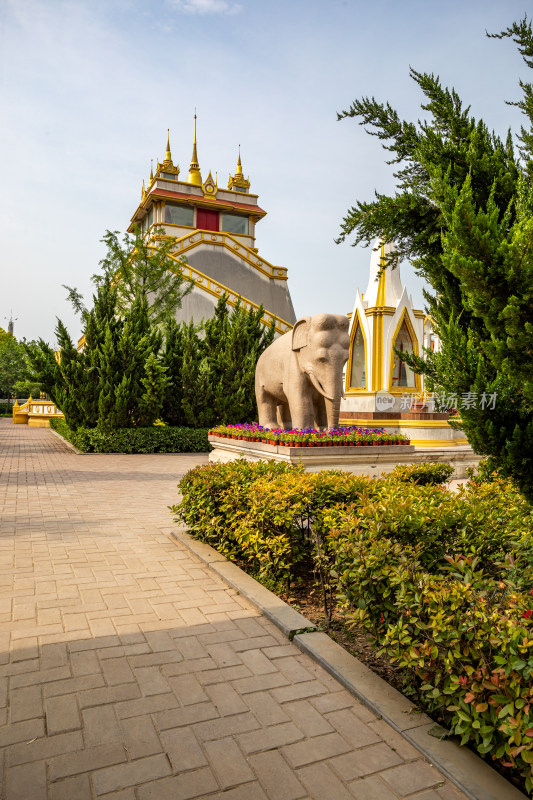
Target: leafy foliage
(14, 368)
(422, 474)
(457, 624)
(462, 213)
(142, 270)
(211, 378)
(134, 440)
(442, 582)
(116, 380)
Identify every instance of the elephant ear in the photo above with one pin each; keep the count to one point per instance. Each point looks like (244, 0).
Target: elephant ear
(299, 333)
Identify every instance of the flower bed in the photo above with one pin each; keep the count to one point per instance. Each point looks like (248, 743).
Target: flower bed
(309, 437)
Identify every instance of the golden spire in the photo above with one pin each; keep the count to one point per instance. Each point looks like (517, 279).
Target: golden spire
(167, 162)
(167, 165)
(151, 169)
(238, 182)
(194, 175)
(143, 193)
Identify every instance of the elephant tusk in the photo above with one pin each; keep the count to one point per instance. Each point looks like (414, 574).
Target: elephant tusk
(318, 386)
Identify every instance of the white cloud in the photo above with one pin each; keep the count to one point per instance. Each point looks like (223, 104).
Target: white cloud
(206, 6)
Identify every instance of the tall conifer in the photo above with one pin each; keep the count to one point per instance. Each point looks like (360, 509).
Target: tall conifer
(463, 215)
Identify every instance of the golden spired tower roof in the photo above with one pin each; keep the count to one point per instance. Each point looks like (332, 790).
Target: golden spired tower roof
(194, 176)
(238, 180)
(167, 165)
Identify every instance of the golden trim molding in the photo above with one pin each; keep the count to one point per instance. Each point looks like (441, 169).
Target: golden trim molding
(223, 239)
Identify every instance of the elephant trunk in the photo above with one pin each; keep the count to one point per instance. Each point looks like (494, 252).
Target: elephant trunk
(333, 412)
(332, 400)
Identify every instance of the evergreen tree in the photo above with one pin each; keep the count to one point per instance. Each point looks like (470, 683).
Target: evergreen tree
(102, 331)
(141, 269)
(155, 383)
(113, 381)
(13, 368)
(172, 359)
(217, 366)
(463, 215)
(245, 338)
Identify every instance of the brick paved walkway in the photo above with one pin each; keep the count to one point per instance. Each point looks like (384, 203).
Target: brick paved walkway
(129, 671)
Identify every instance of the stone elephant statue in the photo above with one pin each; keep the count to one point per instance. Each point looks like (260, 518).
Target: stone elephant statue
(298, 378)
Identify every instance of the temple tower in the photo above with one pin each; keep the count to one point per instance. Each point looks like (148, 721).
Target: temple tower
(383, 318)
(380, 390)
(215, 231)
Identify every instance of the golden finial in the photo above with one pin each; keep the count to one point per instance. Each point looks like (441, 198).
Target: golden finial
(143, 193)
(167, 166)
(167, 162)
(237, 182)
(194, 175)
(151, 169)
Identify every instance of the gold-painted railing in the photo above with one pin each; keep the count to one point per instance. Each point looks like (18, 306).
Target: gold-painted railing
(218, 289)
(35, 413)
(226, 240)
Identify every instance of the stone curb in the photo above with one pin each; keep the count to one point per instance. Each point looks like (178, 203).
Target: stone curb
(66, 441)
(462, 766)
(287, 619)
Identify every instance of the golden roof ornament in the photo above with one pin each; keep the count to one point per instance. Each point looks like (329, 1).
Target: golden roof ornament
(143, 193)
(194, 176)
(167, 165)
(209, 186)
(238, 182)
(151, 170)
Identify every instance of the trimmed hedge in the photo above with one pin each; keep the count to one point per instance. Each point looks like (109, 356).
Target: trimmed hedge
(422, 473)
(442, 582)
(157, 439)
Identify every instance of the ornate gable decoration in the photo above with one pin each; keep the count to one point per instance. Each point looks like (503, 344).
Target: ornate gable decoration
(209, 187)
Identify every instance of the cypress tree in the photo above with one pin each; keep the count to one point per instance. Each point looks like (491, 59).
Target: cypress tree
(155, 383)
(172, 359)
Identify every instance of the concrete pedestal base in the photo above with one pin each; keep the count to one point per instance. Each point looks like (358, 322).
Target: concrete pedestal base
(372, 461)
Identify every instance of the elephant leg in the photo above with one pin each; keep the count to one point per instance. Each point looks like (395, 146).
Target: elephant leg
(284, 417)
(321, 418)
(302, 412)
(266, 406)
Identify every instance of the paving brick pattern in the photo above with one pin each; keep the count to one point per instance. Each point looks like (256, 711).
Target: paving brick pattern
(129, 671)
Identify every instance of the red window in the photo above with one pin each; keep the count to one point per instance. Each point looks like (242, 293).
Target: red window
(206, 220)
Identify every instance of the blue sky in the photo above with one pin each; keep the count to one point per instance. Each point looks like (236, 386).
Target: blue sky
(88, 90)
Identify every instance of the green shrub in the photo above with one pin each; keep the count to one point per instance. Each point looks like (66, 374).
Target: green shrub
(478, 522)
(485, 472)
(273, 527)
(209, 492)
(442, 581)
(421, 474)
(135, 440)
(465, 636)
